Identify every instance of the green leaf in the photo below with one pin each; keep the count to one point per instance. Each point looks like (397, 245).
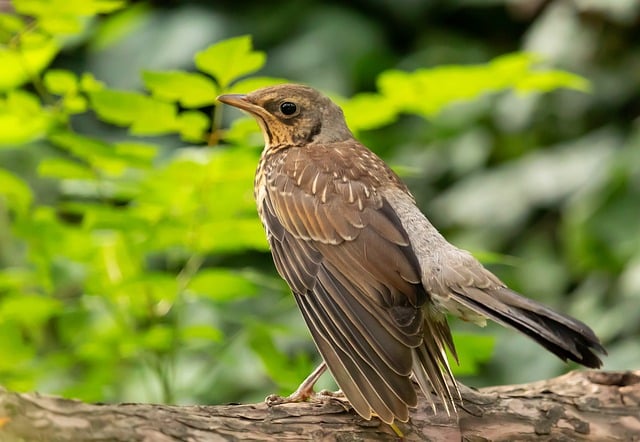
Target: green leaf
(15, 279)
(193, 125)
(11, 23)
(29, 59)
(252, 83)
(159, 337)
(28, 310)
(136, 154)
(115, 27)
(15, 351)
(110, 159)
(60, 82)
(190, 89)
(88, 83)
(222, 285)
(230, 59)
(550, 80)
(200, 331)
(284, 370)
(58, 24)
(67, 7)
(427, 92)
(144, 115)
(15, 192)
(22, 118)
(63, 169)
(244, 132)
(74, 104)
(368, 111)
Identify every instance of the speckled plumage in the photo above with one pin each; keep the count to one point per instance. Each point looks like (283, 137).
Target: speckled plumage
(372, 277)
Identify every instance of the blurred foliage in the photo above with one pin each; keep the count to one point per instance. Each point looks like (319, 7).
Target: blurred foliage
(132, 263)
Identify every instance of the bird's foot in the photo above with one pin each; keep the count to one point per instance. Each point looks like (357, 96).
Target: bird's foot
(296, 396)
(304, 391)
(324, 396)
(303, 395)
(339, 395)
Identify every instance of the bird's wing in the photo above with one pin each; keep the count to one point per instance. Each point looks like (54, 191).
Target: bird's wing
(348, 260)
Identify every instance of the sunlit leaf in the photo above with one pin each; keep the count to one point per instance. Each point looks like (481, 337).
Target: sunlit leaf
(15, 192)
(136, 154)
(62, 24)
(115, 27)
(190, 89)
(28, 310)
(244, 132)
(144, 115)
(89, 83)
(74, 104)
(67, 7)
(284, 370)
(367, 111)
(250, 84)
(232, 236)
(22, 118)
(200, 331)
(15, 351)
(60, 82)
(193, 125)
(100, 155)
(15, 279)
(546, 81)
(11, 23)
(230, 59)
(21, 63)
(63, 169)
(221, 285)
(428, 91)
(159, 337)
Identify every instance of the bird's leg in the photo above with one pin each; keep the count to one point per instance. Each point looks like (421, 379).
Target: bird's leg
(303, 392)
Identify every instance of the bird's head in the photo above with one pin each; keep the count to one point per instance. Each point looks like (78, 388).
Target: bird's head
(292, 115)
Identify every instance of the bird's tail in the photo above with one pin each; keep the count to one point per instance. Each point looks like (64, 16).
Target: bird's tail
(566, 337)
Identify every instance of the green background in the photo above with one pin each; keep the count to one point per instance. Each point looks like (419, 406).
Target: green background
(132, 263)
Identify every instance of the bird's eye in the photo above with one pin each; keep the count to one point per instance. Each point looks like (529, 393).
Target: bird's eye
(288, 108)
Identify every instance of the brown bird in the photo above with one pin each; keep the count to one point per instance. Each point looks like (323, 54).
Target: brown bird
(372, 277)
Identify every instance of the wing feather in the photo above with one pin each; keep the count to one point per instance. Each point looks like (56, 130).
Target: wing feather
(360, 375)
(356, 279)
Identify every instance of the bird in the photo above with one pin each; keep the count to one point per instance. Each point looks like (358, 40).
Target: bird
(373, 278)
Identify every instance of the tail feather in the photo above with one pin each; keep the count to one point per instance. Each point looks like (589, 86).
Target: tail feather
(566, 337)
(430, 364)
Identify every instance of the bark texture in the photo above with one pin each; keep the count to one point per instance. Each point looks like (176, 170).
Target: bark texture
(579, 406)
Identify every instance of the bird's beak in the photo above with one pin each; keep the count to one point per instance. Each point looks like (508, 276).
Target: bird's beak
(240, 101)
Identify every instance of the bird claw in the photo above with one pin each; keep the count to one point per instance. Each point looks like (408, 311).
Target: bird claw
(321, 397)
(304, 391)
(326, 396)
(339, 395)
(274, 399)
(300, 395)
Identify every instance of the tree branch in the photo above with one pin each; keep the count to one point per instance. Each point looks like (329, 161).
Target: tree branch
(579, 406)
